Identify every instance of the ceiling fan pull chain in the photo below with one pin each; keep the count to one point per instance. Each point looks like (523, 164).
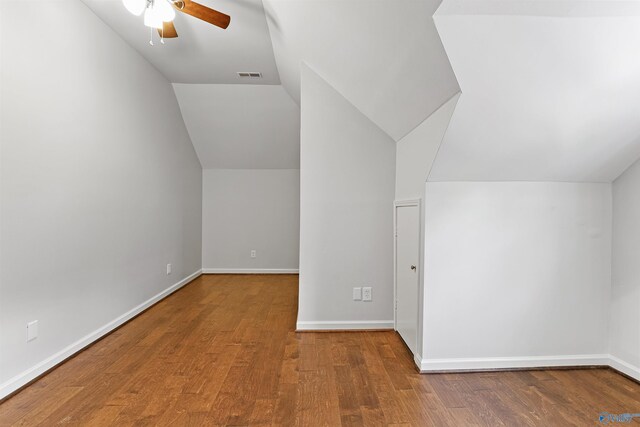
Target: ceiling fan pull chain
(151, 36)
(162, 34)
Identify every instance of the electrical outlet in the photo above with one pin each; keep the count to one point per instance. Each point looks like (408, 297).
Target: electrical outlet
(168, 269)
(357, 294)
(366, 294)
(32, 330)
(253, 253)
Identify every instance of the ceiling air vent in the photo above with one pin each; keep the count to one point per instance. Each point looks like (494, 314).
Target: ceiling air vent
(249, 74)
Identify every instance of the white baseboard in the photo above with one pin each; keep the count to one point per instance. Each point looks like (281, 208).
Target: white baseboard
(344, 325)
(624, 367)
(30, 374)
(417, 359)
(482, 364)
(250, 271)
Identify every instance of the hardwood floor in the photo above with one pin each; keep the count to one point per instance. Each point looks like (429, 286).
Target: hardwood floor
(223, 351)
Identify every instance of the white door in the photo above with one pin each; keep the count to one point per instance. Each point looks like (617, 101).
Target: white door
(407, 274)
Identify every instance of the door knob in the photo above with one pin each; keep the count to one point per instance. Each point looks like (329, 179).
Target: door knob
(413, 267)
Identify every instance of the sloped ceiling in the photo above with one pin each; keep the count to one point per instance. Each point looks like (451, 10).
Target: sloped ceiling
(550, 90)
(241, 126)
(202, 53)
(384, 56)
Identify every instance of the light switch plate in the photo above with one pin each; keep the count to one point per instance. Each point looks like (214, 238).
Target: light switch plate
(357, 294)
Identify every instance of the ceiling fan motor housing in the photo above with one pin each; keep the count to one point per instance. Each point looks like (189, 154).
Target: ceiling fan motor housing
(178, 4)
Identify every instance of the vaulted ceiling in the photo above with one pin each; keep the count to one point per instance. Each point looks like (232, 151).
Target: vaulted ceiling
(550, 89)
(384, 56)
(241, 126)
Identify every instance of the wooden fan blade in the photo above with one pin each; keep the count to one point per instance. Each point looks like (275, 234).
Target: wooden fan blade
(199, 11)
(168, 30)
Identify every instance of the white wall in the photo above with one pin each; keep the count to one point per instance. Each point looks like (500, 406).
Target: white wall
(347, 175)
(624, 327)
(101, 187)
(516, 270)
(416, 152)
(245, 209)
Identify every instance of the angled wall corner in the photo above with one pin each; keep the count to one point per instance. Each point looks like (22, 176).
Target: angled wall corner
(347, 176)
(553, 101)
(417, 151)
(235, 126)
(391, 66)
(247, 138)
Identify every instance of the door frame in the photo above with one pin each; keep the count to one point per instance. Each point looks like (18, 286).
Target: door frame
(399, 204)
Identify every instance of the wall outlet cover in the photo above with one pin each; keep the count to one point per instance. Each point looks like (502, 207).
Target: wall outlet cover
(253, 253)
(168, 269)
(366, 294)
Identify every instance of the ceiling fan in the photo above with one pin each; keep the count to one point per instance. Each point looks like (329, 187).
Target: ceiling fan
(159, 14)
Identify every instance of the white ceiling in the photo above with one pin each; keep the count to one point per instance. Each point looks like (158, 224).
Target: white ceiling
(549, 94)
(241, 126)
(384, 56)
(202, 53)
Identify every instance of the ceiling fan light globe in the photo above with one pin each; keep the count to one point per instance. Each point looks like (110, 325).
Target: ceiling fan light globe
(136, 7)
(152, 18)
(164, 10)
